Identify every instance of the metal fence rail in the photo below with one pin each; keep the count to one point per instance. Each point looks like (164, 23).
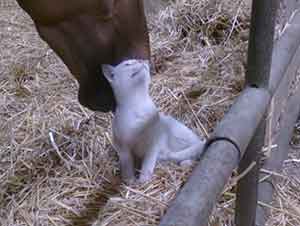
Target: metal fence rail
(195, 201)
(243, 125)
(285, 110)
(258, 75)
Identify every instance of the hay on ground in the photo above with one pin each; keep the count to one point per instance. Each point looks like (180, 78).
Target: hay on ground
(57, 165)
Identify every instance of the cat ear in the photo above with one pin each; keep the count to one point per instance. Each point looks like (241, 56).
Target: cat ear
(108, 72)
(146, 64)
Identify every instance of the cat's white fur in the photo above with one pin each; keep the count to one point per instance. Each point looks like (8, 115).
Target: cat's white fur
(142, 135)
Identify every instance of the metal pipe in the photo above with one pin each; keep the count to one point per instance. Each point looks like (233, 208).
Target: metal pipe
(284, 51)
(261, 42)
(288, 117)
(199, 195)
(246, 195)
(197, 198)
(274, 164)
(286, 59)
(258, 74)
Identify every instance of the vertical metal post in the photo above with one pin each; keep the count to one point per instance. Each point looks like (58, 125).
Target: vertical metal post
(258, 75)
(261, 42)
(246, 201)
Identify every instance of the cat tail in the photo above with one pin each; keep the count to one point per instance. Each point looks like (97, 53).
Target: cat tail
(193, 152)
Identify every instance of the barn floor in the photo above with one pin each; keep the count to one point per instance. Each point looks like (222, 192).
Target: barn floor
(57, 165)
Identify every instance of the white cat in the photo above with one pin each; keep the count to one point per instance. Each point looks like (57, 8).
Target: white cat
(142, 135)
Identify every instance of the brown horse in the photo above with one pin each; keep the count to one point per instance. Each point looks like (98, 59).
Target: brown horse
(88, 33)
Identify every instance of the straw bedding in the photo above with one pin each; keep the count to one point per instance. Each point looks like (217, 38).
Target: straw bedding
(57, 165)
